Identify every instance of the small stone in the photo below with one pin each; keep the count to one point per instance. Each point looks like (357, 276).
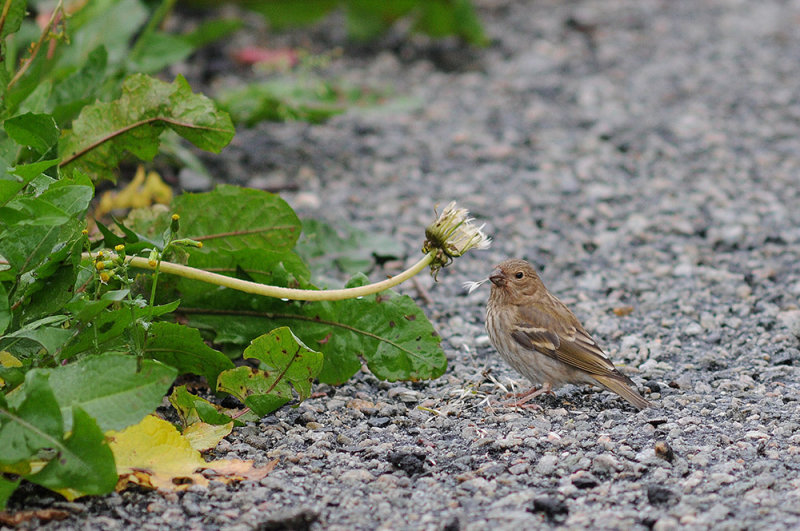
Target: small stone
(379, 422)
(518, 469)
(551, 506)
(482, 341)
(604, 464)
(410, 463)
(660, 495)
(546, 465)
(361, 405)
(664, 451)
(693, 329)
(585, 481)
(791, 320)
(358, 475)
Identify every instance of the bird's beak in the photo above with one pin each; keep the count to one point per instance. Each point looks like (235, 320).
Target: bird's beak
(498, 278)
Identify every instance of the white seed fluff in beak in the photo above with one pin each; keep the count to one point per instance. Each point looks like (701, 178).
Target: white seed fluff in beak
(471, 286)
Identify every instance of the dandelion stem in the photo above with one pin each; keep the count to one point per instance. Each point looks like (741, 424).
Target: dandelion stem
(275, 291)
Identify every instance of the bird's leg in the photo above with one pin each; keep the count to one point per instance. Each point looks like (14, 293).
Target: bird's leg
(522, 394)
(523, 398)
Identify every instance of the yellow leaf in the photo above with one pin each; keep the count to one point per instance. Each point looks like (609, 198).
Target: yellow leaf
(204, 436)
(7, 360)
(143, 190)
(70, 494)
(154, 454)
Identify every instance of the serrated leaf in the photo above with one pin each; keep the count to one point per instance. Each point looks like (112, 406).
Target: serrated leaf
(104, 132)
(111, 388)
(84, 463)
(192, 408)
(182, 347)
(286, 363)
(283, 353)
(261, 391)
(260, 219)
(388, 331)
(39, 131)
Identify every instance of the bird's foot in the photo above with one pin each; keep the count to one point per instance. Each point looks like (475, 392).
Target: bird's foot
(522, 399)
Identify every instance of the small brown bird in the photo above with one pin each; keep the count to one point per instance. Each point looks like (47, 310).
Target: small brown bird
(539, 337)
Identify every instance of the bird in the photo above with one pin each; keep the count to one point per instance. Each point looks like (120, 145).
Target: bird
(541, 338)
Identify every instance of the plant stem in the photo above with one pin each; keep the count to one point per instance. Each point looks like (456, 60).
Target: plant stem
(275, 291)
(57, 12)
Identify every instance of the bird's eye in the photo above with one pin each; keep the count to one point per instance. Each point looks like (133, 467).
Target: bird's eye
(519, 274)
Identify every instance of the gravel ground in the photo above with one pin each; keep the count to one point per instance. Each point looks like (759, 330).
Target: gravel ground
(645, 155)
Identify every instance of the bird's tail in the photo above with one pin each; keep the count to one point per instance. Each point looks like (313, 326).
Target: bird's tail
(623, 388)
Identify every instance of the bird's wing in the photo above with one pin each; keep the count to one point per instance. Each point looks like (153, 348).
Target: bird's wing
(560, 337)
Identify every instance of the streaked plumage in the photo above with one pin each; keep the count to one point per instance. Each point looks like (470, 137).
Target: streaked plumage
(543, 340)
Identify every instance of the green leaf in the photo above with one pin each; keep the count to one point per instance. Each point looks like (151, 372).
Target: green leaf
(182, 347)
(84, 461)
(13, 19)
(5, 309)
(105, 332)
(78, 89)
(158, 50)
(284, 100)
(111, 388)
(388, 331)
(39, 131)
(367, 19)
(31, 426)
(104, 132)
(44, 228)
(326, 251)
(7, 488)
(192, 408)
(50, 338)
(86, 310)
(280, 350)
(260, 219)
(212, 30)
(47, 293)
(286, 13)
(29, 171)
(286, 363)
(282, 268)
(111, 24)
(256, 389)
